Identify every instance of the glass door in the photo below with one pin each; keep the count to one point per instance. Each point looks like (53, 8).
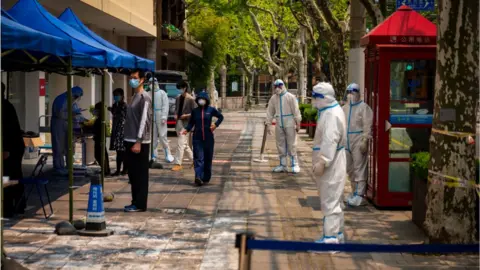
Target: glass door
(412, 84)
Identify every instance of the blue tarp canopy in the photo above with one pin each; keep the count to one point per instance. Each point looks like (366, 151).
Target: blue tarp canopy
(69, 17)
(20, 37)
(87, 53)
(26, 49)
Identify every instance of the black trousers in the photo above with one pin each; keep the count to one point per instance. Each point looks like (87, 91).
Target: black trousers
(138, 166)
(12, 167)
(98, 157)
(120, 160)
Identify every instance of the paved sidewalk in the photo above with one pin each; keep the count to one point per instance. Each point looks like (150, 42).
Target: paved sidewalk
(187, 227)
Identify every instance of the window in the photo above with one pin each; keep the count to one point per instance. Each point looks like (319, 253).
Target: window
(412, 86)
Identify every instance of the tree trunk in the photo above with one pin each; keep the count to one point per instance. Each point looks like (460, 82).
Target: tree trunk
(338, 65)
(211, 85)
(301, 79)
(257, 90)
(223, 86)
(248, 96)
(243, 82)
(451, 208)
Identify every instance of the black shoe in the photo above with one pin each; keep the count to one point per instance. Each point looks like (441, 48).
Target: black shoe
(117, 173)
(124, 173)
(198, 182)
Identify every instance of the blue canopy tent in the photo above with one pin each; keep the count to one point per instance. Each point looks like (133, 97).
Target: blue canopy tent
(87, 53)
(26, 49)
(31, 49)
(69, 17)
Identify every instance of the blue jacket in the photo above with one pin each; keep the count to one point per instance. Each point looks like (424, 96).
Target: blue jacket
(201, 119)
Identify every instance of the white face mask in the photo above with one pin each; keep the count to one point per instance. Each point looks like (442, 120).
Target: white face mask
(354, 97)
(278, 90)
(320, 103)
(202, 102)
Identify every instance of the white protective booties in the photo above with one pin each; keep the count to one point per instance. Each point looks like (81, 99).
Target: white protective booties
(353, 186)
(358, 196)
(280, 168)
(295, 169)
(168, 156)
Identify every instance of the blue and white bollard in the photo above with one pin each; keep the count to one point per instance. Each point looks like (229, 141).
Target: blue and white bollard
(95, 224)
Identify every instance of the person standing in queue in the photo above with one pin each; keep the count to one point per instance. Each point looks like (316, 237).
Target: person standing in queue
(203, 137)
(13, 149)
(119, 113)
(185, 104)
(138, 125)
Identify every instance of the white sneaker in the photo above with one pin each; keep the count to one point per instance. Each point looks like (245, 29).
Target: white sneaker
(356, 201)
(295, 169)
(279, 169)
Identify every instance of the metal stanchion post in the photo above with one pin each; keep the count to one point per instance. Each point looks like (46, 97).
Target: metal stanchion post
(245, 255)
(264, 141)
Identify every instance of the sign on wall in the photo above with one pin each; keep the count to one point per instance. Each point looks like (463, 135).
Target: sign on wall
(418, 5)
(234, 86)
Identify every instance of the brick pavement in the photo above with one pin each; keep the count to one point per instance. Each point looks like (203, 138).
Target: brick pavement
(188, 227)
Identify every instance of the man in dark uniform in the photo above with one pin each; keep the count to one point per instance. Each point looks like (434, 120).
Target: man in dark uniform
(13, 149)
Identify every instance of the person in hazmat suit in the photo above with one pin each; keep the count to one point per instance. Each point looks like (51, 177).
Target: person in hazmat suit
(283, 106)
(59, 127)
(329, 161)
(160, 107)
(359, 119)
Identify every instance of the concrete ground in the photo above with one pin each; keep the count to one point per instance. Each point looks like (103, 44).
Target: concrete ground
(189, 227)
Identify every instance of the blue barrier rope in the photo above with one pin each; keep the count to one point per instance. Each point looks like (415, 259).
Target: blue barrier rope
(362, 248)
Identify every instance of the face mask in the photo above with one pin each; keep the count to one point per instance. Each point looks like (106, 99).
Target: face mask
(134, 83)
(278, 90)
(146, 87)
(349, 97)
(202, 102)
(117, 98)
(320, 103)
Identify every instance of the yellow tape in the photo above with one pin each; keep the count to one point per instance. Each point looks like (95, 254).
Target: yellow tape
(401, 144)
(453, 133)
(453, 182)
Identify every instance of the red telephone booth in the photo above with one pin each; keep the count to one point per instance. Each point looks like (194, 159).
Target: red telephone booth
(399, 87)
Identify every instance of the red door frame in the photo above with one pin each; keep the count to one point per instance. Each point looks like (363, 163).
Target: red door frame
(383, 197)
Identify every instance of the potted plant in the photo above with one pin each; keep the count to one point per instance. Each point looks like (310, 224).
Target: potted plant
(419, 169)
(311, 117)
(302, 108)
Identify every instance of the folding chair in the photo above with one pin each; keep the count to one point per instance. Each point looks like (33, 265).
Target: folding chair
(36, 180)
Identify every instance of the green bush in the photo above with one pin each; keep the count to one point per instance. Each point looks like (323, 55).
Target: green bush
(310, 114)
(419, 164)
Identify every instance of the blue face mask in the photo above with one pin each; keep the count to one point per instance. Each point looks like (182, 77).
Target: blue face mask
(117, 98)
(134, 83)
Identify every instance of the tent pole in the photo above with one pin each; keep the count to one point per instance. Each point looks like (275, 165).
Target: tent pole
(103, 133)
(70, 139)
(154, 127)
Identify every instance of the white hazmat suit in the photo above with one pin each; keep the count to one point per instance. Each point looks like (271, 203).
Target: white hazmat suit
(329, 161)
(161, 107)
(359, 119)
(283, 106)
